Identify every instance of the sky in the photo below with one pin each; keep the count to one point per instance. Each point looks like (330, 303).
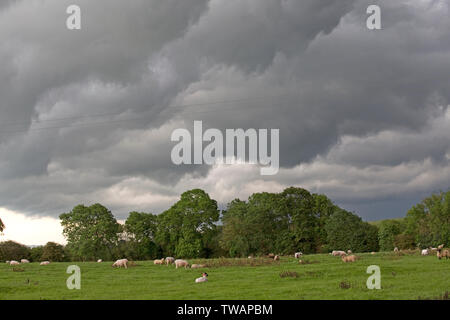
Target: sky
(86, 115)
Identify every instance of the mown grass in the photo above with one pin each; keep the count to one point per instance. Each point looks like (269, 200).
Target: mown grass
(402, 277)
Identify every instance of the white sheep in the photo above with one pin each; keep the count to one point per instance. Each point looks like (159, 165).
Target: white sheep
(424, 252)
(349, 251)
(203, 278)
(395, 249)
(45, 263)
(338, 253)
(298, 255)
(158, 261)
(99, 260)
(14, 263)
(24, 261)
(121, 263)
(181, 263)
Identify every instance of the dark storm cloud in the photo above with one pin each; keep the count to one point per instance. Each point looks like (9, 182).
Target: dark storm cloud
(354, 106)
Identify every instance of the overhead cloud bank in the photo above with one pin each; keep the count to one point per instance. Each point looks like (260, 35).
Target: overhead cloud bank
(86, 116)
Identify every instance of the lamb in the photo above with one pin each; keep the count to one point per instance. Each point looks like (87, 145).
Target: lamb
(276, 258)
(349, 251)
(203, 278)
(14, 263)
(99, 260)
(24, 261)
(159, 261)
(121, 263)
(297, 255)
(170, 260)
(424, 252)
(351, 258)
(45, 263)
(396, 250)
(181, 263)
(7, 261)
(198, 266)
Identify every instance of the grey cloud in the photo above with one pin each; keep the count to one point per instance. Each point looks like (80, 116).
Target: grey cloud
(345, 98)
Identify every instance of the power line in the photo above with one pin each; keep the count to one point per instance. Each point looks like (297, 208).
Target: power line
(19, 131)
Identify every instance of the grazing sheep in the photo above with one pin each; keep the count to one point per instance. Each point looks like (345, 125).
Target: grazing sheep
(349, 251)
(24, 261)
(14, 263)
(424, 252)
(276, 258)
(7, 261)
(159, 261)
(297, 255)
(203, 278)
(45, 263)
(170, 260)
(396, 250)
(443, 254)
(121, 263)
(338, 253)
(197, 266)
(99, 260)
(351, 258)
(181, 263)
(372, 252)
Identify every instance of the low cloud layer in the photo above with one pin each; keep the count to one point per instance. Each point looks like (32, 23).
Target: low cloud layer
(86, 116)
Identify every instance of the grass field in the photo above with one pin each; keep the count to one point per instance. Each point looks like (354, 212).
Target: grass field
(323, 277)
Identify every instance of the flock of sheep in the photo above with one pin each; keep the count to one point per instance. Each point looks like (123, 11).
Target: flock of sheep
(16, 263)
(440, 252)
(180, 263)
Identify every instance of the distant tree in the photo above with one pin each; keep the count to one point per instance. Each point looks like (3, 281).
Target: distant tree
(187, 226)
(347, 231)
(53, 252)
(2, 226)
(36, 253)
(91, 232)
(387, 233)
(141, 229)
(10, 250)
(429, 221)
(404, 241)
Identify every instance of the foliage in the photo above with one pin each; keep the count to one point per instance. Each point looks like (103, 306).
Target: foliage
(91, 232)
(53, 252)
(10, 250)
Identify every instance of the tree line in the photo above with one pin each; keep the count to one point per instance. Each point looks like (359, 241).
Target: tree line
(282, 223)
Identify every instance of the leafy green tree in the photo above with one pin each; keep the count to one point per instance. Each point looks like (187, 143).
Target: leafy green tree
(36, 253)
(141, 229)
(91, 232)
(235, 237)
(387, 232)
(347, 231)
(429, 221)
(11, 250)
(53, 252)
(185, 229)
